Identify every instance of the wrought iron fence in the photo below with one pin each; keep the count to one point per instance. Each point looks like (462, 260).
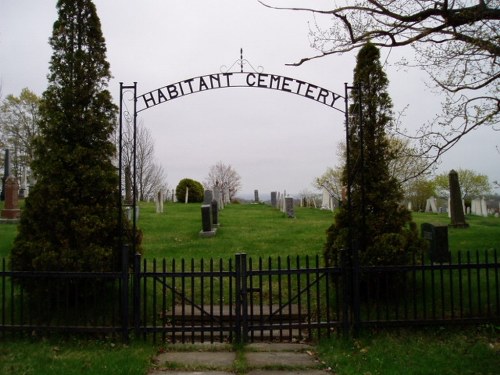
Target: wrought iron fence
(246, 299)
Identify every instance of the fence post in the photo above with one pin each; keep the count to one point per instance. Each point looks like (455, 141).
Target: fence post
(346, 296)
(241, 326)
(137, 293)
(356, 306)
(124, 297)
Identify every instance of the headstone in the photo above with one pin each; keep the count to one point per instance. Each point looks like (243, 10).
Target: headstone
(475, 207)
(484, 209)
(274, 201)
(208, 197)
(218, 197)
(289, 207)
(6, 173)
(23, 191)
(207, 229)
(456, 204)
(186, 198)
(430, 205)
(325, 202)
(215, 213)
(256, 196)
(11, 209)
(437, 235)
(159, 202)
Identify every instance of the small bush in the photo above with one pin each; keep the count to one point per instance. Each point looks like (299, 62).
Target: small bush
(195, 194)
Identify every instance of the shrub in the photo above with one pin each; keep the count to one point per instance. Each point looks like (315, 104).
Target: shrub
(196, 191)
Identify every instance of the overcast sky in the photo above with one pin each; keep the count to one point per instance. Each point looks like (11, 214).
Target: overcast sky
(274, 140)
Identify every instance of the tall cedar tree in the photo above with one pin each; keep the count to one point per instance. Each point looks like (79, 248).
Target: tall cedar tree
(390, 236)
(70, 222)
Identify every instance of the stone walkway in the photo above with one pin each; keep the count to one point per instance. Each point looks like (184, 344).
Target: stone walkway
(253, 359)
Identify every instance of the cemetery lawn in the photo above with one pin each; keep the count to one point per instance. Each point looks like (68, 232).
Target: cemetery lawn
(426, 351)
(72, 357)
(255, 229)
(260, 231)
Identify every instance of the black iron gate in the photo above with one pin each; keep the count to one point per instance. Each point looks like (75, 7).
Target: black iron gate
(244, 299)
(238, 301)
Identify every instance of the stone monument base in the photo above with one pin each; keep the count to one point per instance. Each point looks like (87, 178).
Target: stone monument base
(207, 234)
(11, 214)
(9, 221)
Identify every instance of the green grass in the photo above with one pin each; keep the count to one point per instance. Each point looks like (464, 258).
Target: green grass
(482, 234)
(259, 230)
(71, 357)
(423, 352)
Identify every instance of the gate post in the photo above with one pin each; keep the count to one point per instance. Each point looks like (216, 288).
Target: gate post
(241, 326)
(137, 293)
(124, 294)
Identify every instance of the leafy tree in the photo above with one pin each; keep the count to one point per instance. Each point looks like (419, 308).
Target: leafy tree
(70, 222)
(331, 181)
(472, 184)
(19, 118)
(226, 177)
(383, 231)
(417, 191)
(405, 166)
(455, 43)
(195, 192)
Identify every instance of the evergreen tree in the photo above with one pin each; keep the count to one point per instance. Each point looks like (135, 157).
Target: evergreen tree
(380, 228)
(70, 221)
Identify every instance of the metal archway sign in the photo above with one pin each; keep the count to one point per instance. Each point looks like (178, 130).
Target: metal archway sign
(224, 80)
(241, 79)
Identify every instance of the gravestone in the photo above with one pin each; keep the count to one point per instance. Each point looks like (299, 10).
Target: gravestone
(23, 191)
(256, 196)
(208, 197)
(215, 213)
(274, 201)
(207, 229)
(11, 209)
(186, 198)
(430, 205)
(326, 203)
(218, 197)
(473, 206)
(456, 207)
(159, 202)
(283, 203)
(129, 212)
(290, 212)
(484, 208)
(437, 235)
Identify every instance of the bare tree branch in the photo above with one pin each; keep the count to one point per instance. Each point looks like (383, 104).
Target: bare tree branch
(457, 43)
